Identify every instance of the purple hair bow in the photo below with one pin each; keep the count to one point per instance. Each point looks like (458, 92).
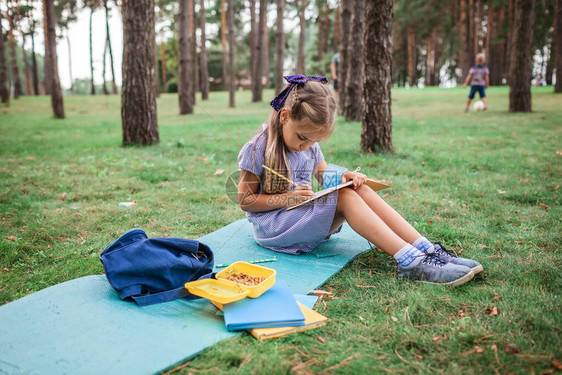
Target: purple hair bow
(279, 100)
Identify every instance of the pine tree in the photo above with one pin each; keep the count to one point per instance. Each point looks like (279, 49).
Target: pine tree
(138, 103)
(521, 56)
(52, 78)
(376, 134)
(279, 46)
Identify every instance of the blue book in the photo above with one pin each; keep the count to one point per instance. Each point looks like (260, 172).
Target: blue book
(275, 308)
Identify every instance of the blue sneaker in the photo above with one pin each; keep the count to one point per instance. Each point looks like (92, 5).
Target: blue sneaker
(449, 257)
(433, 270)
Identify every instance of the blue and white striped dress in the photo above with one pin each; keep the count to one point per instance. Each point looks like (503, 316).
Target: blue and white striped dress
(299, 230)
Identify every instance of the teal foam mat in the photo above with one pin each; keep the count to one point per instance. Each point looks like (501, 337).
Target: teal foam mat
(82, 327)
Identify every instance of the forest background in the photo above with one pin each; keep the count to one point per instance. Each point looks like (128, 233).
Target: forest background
(434, 42)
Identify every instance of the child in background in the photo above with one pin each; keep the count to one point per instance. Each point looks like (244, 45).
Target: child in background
(303, 115)
(479, 78)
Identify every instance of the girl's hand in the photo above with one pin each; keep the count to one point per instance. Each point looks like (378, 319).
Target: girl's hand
(358, 178)
(299, 194)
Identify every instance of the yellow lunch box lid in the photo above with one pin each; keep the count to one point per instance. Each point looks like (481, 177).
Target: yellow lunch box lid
(222, 290)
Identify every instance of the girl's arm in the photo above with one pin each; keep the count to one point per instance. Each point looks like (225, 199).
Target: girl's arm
(319, 172)
(487, 81)
(358, 178)
(250, 201)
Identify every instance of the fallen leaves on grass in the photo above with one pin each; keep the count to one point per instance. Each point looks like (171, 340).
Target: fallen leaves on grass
(440, 337)
(321, 339)
(511, 349)
(492, 311)
(556, 364)
(11, 238)
(343, 362)
(394, 319)
(501, 192)
(62, 197)
(477, 349)
(496, 296)
(543, 206)
(302, 367)
(218, 172)
(429, 222)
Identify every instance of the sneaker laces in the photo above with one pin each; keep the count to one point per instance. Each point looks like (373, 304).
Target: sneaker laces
(442, 250)
(432, 258)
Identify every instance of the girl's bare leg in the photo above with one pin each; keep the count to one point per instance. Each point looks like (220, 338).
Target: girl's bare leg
(353, 208)
(393, 219)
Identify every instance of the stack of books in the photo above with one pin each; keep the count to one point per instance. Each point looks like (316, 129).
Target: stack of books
(273, 314)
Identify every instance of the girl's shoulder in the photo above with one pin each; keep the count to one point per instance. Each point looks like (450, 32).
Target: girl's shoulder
(258, 142)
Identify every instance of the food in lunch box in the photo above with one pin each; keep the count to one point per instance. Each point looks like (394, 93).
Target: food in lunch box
(244, 278)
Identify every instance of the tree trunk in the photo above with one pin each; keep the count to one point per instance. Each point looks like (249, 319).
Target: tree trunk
(336, 35)
(92, 85)
(4, 92)
(185, 51)
(464, 55)
(104, 86)
(163, 64)
(509, 42)
(231, 46)
(46, 67)
(69, 62)
(300, 69)
(321, 36)
(156, 81)
(279, 46)
(470, 28)
(412, 58)
(138, 104)
(354, 82)
(376, 132)
(521, 56)
(195, 67)
(14, 60)
(27, 70)
(477, 23)
(258, 41)
(558, 45)
(111, 65)
(345, 26)
(204, 69)
(253, 48)
(266, 59)
(34, 72)
(56, 92)
(224, 32)
(327, 23)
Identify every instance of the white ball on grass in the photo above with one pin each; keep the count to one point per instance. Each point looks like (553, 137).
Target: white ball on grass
(478, 106)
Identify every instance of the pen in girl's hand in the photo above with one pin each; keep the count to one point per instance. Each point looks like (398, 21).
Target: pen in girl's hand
(280, 175)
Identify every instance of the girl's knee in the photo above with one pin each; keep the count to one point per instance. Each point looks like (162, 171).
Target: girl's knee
(347, 194)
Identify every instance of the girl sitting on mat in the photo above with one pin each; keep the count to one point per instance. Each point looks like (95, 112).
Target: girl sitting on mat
(303, 115)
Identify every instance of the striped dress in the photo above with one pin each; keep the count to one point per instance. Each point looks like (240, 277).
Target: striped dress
(299, 230)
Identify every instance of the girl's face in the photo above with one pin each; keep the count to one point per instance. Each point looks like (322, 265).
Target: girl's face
(301, 135)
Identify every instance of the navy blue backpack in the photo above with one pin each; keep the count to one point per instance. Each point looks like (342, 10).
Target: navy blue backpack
(154, 270)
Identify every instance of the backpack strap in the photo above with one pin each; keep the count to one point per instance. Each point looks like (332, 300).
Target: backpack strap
(168, 295)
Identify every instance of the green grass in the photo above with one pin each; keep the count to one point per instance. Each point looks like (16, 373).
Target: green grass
(486, 184)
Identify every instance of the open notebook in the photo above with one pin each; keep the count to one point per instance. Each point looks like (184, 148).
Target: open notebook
(376, 185)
